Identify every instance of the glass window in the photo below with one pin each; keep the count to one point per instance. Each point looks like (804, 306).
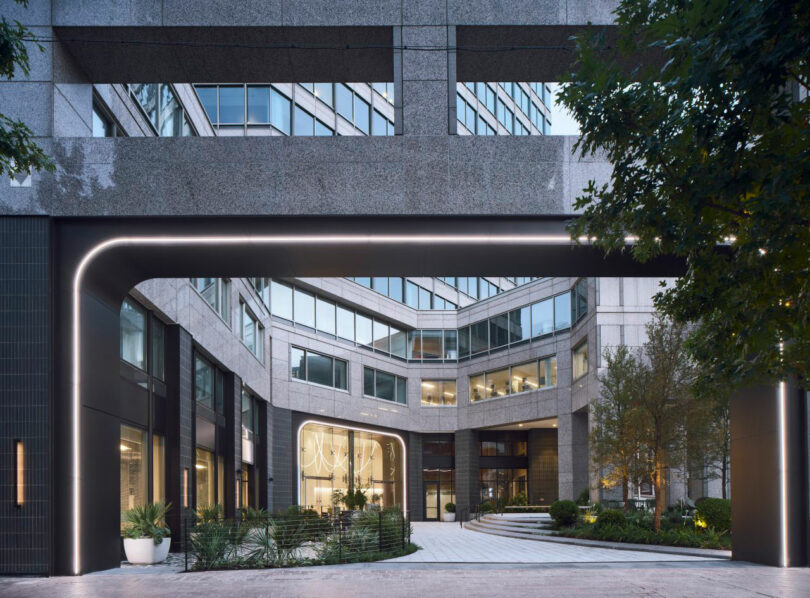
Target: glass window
(411, 294)
(450, 344)
(325, 315)
(158, 469)
(147, 96)
(498, 331)
(363, 280)
(206, 476)
(477, 388)
(414, 344)
(133, 464)
(562, 311)
(424, 299)
(438, 392)
(208, 99)
(280, 111)
(361, 114)
(498, 384)
(298, 363)
(479, 337)
(385, 386)
(469, 120)
(543, 318)
(251, 331)
(158, 356)
(402, 391)
(395, 290)
(304, 123)
(368, 382)
(133, 334)
(203, 382)
(304, 308)
(380, 284)
(524, 377)
(381, 339)
(323, 91)
(281, 299)
(519, 325)
(343, 99)
(345, 323)
(322, 130)
(319, 369)
(216, 292)
(464, 342)
(341, 374)
(379, 124)
(364, 330)
(258, 105)
(432, 344)
(102, 126)
(579, 359)
(171, 114)
(232, 105)
(548, 372)
(399, 343)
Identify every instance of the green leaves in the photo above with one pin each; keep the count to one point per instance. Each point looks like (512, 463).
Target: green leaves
(147, 521)
(713, 144)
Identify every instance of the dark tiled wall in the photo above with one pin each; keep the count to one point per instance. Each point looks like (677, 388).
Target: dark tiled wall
(416, 493)
(543, 468)
(25, 380)
(467, 465)
(281, 448)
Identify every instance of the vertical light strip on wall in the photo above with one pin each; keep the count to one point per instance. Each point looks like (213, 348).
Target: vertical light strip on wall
(19, 473)
(246, 240)
(185, 487)
(783, 473)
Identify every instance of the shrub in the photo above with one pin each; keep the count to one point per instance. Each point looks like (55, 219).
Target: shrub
(714, 513)
(518, 500)
(147, 521)
(450, 507)
(611, 517)
(564, 512)
(486, 507)
(584, 497)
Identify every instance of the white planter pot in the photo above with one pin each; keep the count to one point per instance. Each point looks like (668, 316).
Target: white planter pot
(144, 551)
(449, 516)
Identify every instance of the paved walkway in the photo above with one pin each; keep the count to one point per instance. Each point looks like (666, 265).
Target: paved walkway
(448, 543)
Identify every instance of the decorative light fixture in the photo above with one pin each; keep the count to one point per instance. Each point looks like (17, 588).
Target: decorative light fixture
(185, 487)
(19, 472)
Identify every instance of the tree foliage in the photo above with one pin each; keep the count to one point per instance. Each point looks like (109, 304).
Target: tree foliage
(711, 162)
(18, 153)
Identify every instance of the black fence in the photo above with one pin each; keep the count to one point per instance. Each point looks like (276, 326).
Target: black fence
(294, 538)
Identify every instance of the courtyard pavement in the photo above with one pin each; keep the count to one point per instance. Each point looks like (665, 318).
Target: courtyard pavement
(535, 569)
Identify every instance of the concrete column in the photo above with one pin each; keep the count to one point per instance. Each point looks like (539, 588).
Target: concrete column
(423, 81)
(572, 443)
(769, 479)
(467, 459)
(415, 489)
(233, 442)
(180, 427)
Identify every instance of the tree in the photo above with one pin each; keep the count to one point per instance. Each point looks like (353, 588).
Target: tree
(665, 403)
(710, 147)
(18, 153)
(615, 443)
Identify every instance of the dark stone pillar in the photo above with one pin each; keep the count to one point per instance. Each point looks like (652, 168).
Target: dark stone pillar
(769, 432)
(415, 489)
(25, 391)
(233, 442)
(467, 482)
(262, 456)
(282, 453)
(543, 472)
(179, 428)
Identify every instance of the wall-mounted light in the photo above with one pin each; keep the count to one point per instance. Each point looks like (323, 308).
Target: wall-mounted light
(19, 472)
(185, 487)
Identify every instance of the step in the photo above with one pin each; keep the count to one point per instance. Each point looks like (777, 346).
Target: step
(511, 527)
(495, 531)
(518, 520)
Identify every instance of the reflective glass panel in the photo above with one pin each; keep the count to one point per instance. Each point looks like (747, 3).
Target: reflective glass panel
(208, 98)
(524, 377)
(298, 364)
(402, 391)
(519, 325)
(562, 311)
(543, 318)
(432, 344)
(325, 315)
(464, 342)
(477, 388)
(368, 382)
(498, 331)
(498, 384)
(450, 344)
(364, 333)
(384, 388)
(133, 334)
(304, 308)
(232, 105)
(281, 300)
(319, 369)
(280, 111)
(258, 99)
(341, 374)
(399, 342)
(479, 337)
(381, 339)
(304, 125)
(345, 323)
(133, 464)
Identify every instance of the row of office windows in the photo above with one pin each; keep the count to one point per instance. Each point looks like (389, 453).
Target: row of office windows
(268, 105)
(163, 109)
(403, 290)
(317, 368)
(512, 328)
(383, 385)
(524, 377)
(487, 100)
(477, 287)
(216, 292)
(439, 392)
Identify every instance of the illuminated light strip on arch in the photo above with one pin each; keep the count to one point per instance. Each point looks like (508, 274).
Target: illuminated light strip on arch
(246, 240)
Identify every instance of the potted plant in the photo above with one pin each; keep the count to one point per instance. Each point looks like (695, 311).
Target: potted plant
(450, 512)
(360, 499)
(146, 535)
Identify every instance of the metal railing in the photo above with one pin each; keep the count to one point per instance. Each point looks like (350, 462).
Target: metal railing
(294, 538)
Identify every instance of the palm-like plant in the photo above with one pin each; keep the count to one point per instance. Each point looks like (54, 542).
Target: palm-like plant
(147, 521)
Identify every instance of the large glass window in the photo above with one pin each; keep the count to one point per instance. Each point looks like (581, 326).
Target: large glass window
(543, 318)
(133, 334)
(343, 101)
(464, 342)
(411, 295)
(158, 469)
(479, 337)
(298, 363)
(363, 334)
(280, 111)
(203, 382)
(498, 331)
(323, 91)
(325, 315)
(381, 339)
(432, 344)
(208, 98)
(252, 333)
(304, 125)
(345, 323)
(158, 356)
(216, 292)
(304, 308)
(520, 325)
(438, 392)
(325, 462)
(361, 114)
(258, 105)
(383, 385)
(134, 469)
(206, 475)
(450, 344)
(523, 377)
(231, 105)
(281, 298)
(501, 485)
(399, 342)
(562, 311)
(318, 368)
(579, 359)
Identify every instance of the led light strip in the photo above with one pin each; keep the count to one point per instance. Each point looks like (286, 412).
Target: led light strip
(783, 474)
(247, 240)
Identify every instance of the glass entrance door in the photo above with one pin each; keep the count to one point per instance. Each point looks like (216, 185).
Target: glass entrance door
(432, 501)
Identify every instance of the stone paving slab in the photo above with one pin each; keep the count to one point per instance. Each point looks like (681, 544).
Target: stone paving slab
(448, 543)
